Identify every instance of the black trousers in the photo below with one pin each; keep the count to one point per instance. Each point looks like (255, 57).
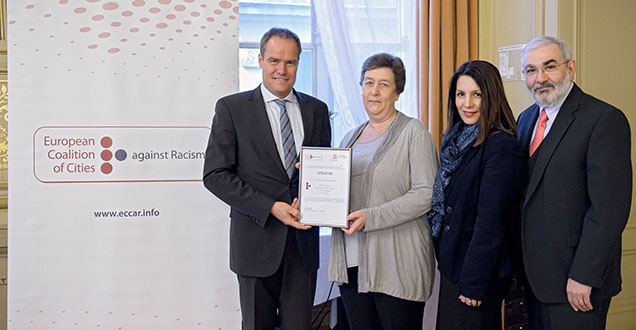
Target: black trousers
(453, 314)
(289, 293)
(378, 311)
(542, 316)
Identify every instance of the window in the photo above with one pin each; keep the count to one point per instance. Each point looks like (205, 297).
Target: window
(372, 26)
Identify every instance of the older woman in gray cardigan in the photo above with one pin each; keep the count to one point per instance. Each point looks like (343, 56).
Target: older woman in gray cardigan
(384, 262)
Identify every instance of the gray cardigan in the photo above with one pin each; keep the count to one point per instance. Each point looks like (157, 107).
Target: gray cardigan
(395, 247)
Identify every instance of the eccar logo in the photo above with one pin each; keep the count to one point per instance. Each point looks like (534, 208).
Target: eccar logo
(67, 154)
(310, 156)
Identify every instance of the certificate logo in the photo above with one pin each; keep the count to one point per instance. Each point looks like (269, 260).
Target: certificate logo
(310, 156)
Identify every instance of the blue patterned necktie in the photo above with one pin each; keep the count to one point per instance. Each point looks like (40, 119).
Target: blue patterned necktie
(287, 138)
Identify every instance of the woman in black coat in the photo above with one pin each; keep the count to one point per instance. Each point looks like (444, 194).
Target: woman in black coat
(475, 197)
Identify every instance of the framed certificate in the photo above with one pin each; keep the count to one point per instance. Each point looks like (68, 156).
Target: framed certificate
(324, 186)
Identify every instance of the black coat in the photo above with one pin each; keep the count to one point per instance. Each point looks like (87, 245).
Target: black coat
(578, 198)
(243, 169)
(481, 199)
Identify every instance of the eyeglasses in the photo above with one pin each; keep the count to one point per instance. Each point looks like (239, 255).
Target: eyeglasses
(531, 71)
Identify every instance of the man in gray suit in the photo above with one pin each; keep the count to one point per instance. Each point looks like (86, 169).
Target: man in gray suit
(249, 164)
(578, 194)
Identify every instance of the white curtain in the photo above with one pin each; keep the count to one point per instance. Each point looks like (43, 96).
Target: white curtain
(352, 30)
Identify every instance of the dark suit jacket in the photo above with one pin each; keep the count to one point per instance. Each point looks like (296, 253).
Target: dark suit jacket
(577, 198)
(475, 244)
(243, 169)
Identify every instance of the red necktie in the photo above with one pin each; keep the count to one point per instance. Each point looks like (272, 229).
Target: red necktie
(538, 136)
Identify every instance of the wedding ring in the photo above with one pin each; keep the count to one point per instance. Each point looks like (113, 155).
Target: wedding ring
(468, 301)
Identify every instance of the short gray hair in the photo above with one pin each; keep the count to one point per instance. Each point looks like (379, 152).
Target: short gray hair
(384, 60)
(564, 48)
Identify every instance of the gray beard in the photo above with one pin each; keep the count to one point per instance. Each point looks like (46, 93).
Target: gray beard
(561, 89)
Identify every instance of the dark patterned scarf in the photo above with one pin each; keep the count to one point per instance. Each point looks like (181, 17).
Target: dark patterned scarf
(459, 139)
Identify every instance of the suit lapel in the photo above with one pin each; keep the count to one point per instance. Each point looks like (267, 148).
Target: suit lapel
(562, 122)
(264, 128)
(527, 127)
(307, 118)
(470, 154)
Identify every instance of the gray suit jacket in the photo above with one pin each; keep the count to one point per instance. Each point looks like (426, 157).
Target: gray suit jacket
(577, 198)
(243, 169)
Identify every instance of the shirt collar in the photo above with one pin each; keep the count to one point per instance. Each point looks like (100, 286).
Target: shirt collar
(268, 96)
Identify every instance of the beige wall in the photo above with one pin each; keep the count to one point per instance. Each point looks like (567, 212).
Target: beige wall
(603, 37)
(501, 24)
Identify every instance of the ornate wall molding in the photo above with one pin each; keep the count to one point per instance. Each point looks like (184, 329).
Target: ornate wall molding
(4, 124)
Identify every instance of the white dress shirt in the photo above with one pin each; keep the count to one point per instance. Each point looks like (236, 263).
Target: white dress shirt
(295, 119)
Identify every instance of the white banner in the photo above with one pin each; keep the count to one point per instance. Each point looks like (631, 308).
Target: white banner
(111, 104)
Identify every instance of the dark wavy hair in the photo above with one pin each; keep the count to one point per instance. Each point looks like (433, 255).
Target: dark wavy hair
(494, 111)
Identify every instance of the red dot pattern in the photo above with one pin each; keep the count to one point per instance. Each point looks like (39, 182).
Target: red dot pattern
(104, 10)
(115, 32)
(106, 155)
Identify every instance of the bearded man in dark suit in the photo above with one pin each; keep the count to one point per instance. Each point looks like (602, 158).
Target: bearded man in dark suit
(578, 194)
(249, 164)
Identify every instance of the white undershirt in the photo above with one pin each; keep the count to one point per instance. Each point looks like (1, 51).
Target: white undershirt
(295, 119)
(362, 156)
